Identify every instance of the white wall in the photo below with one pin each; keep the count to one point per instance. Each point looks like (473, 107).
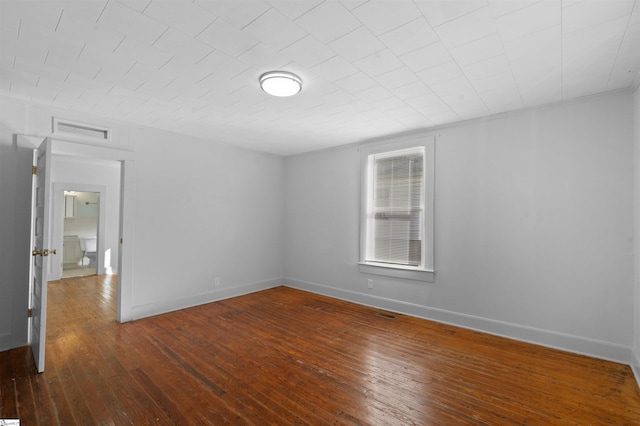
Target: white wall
(534, 228)
(202, 210)
(15, 186)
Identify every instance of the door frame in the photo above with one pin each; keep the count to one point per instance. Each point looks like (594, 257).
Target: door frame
(127, 212)
(57, 229)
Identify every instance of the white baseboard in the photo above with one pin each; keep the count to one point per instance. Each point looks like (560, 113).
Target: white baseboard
(580, 345)
(152, 309)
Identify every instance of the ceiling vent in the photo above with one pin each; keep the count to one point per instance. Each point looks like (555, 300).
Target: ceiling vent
(81, 130)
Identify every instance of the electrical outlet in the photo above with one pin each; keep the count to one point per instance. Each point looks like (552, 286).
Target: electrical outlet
(370, 283)
(216, 282)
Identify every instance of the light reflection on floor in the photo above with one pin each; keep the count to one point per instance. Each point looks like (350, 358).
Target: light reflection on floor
(81, 271)
(384, 369)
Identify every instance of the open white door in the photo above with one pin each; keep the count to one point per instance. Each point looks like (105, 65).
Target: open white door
(41, 254)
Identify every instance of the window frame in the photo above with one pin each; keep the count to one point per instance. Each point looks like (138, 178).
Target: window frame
(426, 270)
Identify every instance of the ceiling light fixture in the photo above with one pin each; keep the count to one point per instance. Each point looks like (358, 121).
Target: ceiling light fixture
(280, 83)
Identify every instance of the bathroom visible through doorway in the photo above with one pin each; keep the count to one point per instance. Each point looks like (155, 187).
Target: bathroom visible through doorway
(80, 234)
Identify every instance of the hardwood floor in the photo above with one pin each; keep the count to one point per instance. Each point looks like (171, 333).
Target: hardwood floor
(284, 356)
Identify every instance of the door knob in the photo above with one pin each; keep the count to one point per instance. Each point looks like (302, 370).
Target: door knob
(36, 252)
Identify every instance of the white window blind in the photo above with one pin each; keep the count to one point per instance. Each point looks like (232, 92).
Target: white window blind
(395, 212)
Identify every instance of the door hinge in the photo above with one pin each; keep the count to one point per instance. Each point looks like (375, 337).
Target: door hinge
(29, 313)
(34, 170)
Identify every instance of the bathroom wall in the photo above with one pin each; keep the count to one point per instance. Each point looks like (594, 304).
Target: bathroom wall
(86, 205)
(85, 222)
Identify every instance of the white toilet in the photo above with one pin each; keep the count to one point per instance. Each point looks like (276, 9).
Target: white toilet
(89, 247)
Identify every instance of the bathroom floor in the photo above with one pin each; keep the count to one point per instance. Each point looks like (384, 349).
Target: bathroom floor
(80, 271)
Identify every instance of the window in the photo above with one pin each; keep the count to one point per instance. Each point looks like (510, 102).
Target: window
(397, 209)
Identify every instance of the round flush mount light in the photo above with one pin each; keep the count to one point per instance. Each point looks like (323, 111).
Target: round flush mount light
(280, 83)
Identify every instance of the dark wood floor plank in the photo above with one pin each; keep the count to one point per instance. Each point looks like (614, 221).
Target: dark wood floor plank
(76, 399)
(214, 368)
(25, 401)
(269, 363)
(43, 405)
(389, 404)
(8, 406)
(237, 394)
(135, 403)
(283, 356)
(197, 396)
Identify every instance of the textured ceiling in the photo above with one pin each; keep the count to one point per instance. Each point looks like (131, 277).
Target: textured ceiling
(370, 68)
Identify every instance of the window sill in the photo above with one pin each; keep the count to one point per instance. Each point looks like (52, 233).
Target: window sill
(397, 271)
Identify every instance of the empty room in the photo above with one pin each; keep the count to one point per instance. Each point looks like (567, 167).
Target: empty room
(354, 212)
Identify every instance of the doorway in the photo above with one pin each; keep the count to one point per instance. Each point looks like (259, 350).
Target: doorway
(82, 168)
(81, 213)
(80, 234)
